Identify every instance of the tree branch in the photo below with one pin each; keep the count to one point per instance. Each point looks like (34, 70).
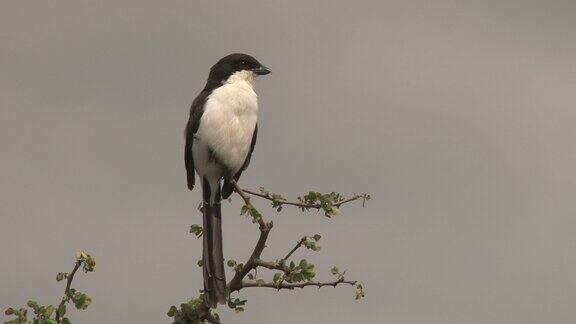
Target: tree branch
(271, 265)
(291, 286)
(69, 279)
(236, 282)
(246, 199)
(300, 276)
(298, 245)
(363, 196)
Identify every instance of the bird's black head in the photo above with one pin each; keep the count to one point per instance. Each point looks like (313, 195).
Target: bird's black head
(233, 63)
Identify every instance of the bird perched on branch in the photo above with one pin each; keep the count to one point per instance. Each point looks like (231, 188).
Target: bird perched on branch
(220, 138)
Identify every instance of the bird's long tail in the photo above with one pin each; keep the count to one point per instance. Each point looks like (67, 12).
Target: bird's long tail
(212, 256)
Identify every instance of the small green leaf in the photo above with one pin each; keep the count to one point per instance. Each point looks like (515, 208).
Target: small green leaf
(65, 320)
(49, 310)
(335, 270)
(81, 300)
(231, 263)
(62, 309)
(61, 276)
(244, 210)
(196, 230)
(277, 277)
(172, 311)
(317, 237)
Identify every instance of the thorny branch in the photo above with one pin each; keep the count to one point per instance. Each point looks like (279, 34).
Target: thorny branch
(254, 261)
(252, 283)
(337, 204)
(288, 276)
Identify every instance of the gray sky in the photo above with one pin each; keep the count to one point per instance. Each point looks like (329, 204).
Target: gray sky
(457, 116)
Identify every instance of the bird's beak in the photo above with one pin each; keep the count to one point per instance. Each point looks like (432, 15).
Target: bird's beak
(262, 70)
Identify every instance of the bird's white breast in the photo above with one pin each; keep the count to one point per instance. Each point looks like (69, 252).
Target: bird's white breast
(228, 123)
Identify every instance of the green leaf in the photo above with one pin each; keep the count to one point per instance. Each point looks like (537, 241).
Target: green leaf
(49, 321)
(172, 311)
(256, 216)
(61, 276)
(62, 309)
(9, 311)
(335, 270)
(231, 263)
(277, 277)
(196, 230)
(316, 237)
(65, 320)
(81, 300)
(49, 310)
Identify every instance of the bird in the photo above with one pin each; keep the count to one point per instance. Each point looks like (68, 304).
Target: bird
(219, 140)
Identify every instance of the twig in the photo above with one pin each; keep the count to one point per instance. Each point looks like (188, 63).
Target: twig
(236, 282)
(303, 205)
(246, 199)
(291, 286)
(69, 279)
(272, 265)
(298, 245)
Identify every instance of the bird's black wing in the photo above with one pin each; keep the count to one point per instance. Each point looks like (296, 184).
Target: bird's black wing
(247, 161)
(196, 112)
(227, 188)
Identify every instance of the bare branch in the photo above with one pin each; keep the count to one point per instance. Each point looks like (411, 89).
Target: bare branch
(236, 282)
(272, 265)
(298, 245)
(291, 286)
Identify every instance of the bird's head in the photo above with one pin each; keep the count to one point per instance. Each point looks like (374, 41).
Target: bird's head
(239, 65)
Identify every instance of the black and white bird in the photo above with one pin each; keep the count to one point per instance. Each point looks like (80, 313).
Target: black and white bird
(220, 138)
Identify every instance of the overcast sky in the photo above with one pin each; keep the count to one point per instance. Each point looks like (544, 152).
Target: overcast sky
(457, 116)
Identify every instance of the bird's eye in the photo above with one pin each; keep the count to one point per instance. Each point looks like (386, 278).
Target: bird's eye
(243, 63)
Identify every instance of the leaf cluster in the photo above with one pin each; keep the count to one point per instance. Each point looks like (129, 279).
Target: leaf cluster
(237, 304)
(303, 271)
(326, 202)
(192, 312)
(48, 314)
(248, 210)
(311, 243)
(276, 199)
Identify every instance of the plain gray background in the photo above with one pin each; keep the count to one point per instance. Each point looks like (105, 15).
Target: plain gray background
(457, 116)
